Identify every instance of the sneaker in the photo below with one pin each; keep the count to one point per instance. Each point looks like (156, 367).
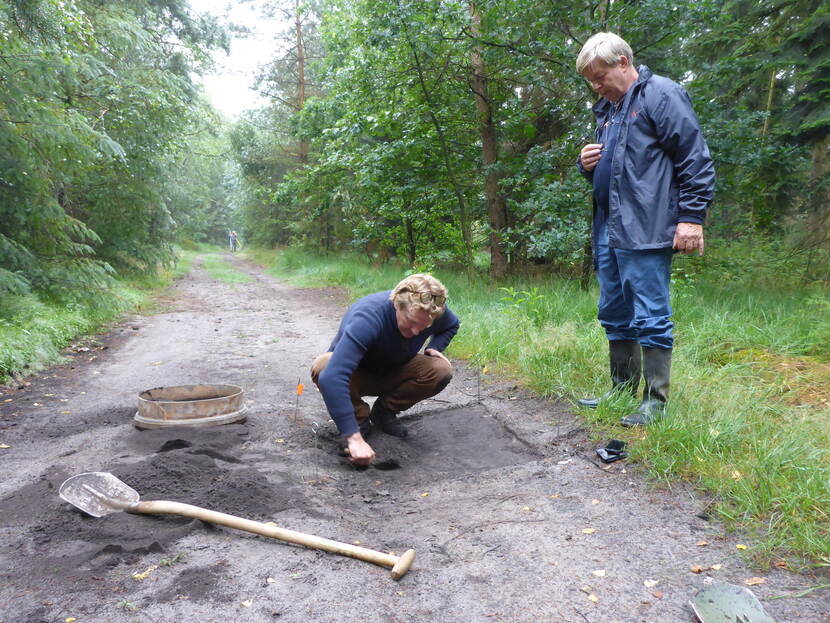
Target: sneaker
(387, 420)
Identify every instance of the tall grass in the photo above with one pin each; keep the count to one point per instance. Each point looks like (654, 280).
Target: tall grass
(749, 416)
(34, 329)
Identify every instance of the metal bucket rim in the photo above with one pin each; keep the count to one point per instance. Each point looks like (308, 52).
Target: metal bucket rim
(235, 417)
(236, 391)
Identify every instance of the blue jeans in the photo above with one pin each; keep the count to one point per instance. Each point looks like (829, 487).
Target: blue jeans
(634, 293)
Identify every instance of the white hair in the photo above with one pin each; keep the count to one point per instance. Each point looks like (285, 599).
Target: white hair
(606, 47)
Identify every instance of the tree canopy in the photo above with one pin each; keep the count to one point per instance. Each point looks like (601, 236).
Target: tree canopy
(99, 123)
(439, 129)
(439, 132)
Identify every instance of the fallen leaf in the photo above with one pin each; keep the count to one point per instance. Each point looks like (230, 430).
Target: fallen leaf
(736, 475)
(69, 620)
(600, 573)
(588, 530)
(696, 569)
(593, 598)
(156, 363)
(525, 508)
(36, 404)
(754, 581)
(248, 603)
(425, 494)
(657, 594)
(716, 567)
(399, 593)
(145, 574)
(555, 495)
(280, 440)
(781, 564)
(594, 501)
(271, 523)
(740, 546)
(586, 589)
(702, 543)
(650, 583)
(270, 580)
(356, 542)
(65, 412)
(4, 446)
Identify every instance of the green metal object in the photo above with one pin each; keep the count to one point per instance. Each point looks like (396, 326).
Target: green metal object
(727, 603)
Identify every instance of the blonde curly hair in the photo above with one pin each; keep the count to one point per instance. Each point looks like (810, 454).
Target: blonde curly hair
(420, 292)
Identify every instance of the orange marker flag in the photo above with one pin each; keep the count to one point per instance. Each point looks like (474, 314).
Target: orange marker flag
(299, 389)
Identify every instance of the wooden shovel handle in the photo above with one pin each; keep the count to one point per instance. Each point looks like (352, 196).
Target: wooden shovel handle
(399, 564)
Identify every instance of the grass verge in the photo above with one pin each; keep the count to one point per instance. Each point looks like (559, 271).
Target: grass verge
(749, 419)
(34, 330)
(221, 270)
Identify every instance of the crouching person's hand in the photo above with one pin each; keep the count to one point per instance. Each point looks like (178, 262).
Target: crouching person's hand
(360, 452)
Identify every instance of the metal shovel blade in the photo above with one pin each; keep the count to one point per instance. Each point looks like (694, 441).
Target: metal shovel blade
(98, 493)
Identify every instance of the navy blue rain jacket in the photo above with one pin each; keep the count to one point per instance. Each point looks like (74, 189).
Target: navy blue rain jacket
(662, 173)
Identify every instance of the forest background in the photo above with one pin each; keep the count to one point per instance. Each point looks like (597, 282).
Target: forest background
(441, 135)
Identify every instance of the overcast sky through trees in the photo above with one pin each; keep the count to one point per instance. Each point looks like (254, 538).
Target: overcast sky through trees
(230, 86)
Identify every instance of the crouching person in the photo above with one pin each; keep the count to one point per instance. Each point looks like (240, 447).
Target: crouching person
(376, 353)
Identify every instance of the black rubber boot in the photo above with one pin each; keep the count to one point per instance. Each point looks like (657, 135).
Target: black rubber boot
(365, 428)
(624, 356)
(656, 370)
(387, 420)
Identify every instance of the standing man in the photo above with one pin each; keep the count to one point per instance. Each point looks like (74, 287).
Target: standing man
(234, 241)
(375, 353)
(653, 182)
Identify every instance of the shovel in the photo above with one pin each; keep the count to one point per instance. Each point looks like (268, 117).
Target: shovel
(101, 493)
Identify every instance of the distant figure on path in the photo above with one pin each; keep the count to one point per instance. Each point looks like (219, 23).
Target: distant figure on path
(234, 242)
(653, 182)
(376, 353)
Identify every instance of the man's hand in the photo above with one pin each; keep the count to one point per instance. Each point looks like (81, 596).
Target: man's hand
(590, 155)
(688, 237)
(431, 352)
(360, 452)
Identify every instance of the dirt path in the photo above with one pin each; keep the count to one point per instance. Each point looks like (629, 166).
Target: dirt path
(512, 518)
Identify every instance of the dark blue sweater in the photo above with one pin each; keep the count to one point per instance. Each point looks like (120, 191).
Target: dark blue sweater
(369, 339)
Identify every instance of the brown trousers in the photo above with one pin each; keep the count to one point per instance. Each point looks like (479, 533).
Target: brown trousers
(419, 378)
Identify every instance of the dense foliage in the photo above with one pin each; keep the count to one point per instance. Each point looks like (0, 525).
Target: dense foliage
(440, 128)
(100, 127)
(441, 132)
